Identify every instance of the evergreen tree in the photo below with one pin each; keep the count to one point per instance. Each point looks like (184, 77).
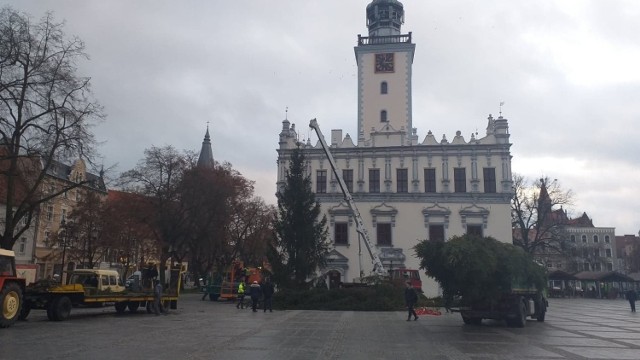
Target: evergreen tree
(300, 244)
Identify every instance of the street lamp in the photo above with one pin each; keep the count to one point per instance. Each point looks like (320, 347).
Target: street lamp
(63, 233)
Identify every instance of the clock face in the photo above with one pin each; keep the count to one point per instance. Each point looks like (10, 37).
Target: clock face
(384, 63)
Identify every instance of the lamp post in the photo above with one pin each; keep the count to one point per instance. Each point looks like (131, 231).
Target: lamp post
(63, 225)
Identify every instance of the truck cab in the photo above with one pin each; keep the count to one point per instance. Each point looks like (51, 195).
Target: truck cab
(410, 275)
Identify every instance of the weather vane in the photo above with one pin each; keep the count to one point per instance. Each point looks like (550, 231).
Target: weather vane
(501, 104)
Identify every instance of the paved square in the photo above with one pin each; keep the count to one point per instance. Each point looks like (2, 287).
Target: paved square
(574, 329)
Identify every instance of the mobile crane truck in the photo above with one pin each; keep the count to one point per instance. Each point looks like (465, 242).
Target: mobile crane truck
(410, 275)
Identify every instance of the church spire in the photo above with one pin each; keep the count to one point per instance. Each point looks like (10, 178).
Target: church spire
(205, 160)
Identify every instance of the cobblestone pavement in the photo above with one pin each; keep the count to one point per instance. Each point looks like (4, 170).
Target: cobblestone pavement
(575, 329)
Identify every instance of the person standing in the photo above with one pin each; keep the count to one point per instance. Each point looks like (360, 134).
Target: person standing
(240, 295)
(632, 296)
(255, 291)
(267, 293)
(157, 299)
(410, 299)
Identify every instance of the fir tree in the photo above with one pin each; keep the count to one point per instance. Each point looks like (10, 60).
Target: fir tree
(300, 243)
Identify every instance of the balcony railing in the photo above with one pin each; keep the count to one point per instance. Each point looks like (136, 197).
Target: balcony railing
(380, 40)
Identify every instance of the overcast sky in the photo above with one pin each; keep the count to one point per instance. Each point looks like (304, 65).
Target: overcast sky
(568, 72)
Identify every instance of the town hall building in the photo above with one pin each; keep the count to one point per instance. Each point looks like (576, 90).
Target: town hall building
(407, 188)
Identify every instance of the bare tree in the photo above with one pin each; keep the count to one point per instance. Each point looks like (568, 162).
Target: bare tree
(158, 177)
(46, 113)
(127, 231)
(537, 216)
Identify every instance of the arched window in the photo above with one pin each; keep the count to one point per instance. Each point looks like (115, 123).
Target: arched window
(383, 87)
(383, 116)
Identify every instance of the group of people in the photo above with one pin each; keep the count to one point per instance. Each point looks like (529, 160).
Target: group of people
(256, 291)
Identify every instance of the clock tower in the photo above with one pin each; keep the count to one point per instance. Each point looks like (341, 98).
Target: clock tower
(384, 61)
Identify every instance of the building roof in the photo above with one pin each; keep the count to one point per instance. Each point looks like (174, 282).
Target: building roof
(63, 171)
(561, 275)
(606, 276)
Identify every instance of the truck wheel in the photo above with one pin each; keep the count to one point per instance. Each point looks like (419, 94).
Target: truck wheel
(133, 306)
(11, 300)
(471, 320)
(120, 307)
(26, 310)
(61, 308)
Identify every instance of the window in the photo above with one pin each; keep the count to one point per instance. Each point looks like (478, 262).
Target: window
(383, 116)
(586, 266)
(341, 233)
(22, 247)
(474, 230)
(63, 216)
(65, 195)
(584, 239)
(597, 267)
(559, 265)
(459, 180)
(607, 239)
(573, 238)
(430, 180)
(47, 236)
(374, 180)
(402, 180)
(608, 252)
(347, 176)
(585, 253)
(383, 231)
(610, 266)
(50, 212)
(78, 197)
(489, 180)
(596, 252)
(113, 280)
(436, 233)
(383, 87)
(321, 181)
(595, 238)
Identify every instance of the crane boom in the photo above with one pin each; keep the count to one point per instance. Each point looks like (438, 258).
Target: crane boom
(378, 268)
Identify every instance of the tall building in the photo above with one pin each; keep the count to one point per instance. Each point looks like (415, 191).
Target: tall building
(406, 190)
(49, 254)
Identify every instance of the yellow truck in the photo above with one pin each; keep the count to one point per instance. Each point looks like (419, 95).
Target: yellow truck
(93, 287)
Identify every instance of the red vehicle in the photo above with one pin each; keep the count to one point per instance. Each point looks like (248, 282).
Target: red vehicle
(408, 275)
(11, 289)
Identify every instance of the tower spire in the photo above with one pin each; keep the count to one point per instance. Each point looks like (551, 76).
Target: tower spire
(385, 17)
(205, 160)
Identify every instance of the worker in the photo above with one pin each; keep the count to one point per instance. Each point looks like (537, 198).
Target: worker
(410, 299)
(255, 291)
(267, 292)
(240, 295)
(157, 299)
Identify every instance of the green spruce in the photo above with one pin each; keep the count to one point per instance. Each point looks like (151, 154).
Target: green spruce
(300, 245)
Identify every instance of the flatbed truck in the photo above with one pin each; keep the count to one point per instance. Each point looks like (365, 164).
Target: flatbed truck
(514, 307)
(91, 288)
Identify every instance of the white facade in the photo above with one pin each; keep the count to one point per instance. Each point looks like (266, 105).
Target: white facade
(406, 190)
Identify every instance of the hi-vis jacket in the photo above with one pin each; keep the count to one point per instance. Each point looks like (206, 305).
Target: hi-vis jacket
(241, 288)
